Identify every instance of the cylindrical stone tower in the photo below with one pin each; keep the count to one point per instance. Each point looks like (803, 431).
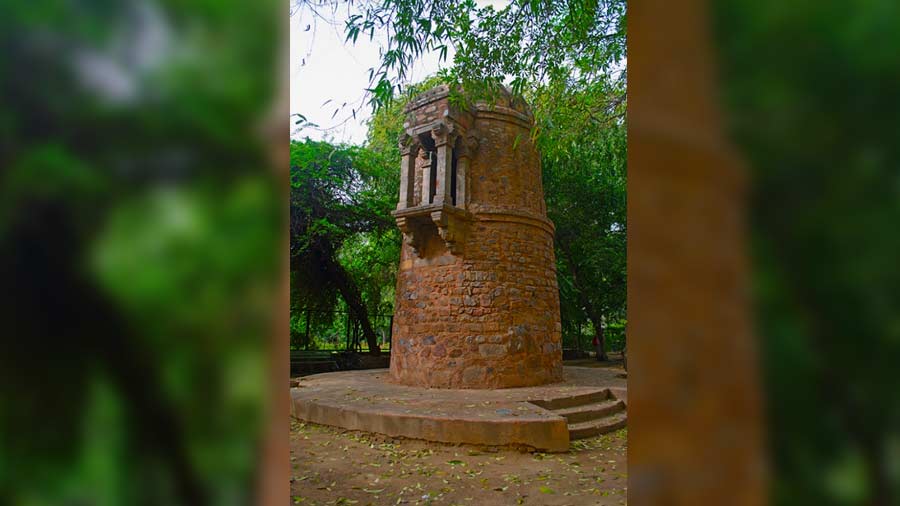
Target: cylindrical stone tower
(477, 304)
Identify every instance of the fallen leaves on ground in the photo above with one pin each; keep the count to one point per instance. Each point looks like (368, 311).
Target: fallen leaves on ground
(335, 467)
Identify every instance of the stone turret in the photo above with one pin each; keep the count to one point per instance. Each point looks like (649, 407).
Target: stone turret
(477, 304)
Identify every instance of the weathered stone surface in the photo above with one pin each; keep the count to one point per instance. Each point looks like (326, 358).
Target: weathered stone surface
(492, 350)
(363, 400)
(480, 270)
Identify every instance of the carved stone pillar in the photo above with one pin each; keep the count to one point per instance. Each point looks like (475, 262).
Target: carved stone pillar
(407, 174)
(467, 148)
(426, 184)
(443, 141)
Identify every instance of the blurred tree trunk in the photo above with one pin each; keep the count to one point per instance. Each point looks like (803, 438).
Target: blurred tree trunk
(687, 202)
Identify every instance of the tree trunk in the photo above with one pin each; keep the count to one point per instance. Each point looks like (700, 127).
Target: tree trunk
(578, 342)
(599, 333)
(595, 317)
(353, 298)
(308, 316)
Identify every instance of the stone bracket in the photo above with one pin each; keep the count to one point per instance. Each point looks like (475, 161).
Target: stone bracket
(450, 223)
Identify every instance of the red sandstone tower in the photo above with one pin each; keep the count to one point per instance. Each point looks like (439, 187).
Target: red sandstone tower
(477, 304)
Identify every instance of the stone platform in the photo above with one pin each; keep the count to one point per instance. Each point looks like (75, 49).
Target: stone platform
(589, 401)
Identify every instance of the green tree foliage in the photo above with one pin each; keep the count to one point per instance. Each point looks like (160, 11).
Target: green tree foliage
(527, 43)
(138, 231)
(341, 199)
(584, 172)
(343, 239)
(813, 102)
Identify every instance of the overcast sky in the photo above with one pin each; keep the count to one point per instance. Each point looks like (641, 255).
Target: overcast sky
(324, 68)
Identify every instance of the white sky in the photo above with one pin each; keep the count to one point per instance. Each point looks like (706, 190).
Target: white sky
(340, 73)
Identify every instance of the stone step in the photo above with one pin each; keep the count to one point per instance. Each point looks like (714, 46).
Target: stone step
(572, 400)
(593, 411)
(597, 427)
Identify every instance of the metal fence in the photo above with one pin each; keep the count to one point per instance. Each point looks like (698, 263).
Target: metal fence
(340, 331)
(578, 339)
(337, 330)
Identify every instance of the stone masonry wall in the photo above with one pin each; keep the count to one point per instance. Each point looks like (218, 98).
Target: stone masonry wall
(487, 321)
(503, 178)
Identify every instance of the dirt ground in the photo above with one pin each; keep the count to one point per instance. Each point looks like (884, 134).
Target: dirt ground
(335, 467)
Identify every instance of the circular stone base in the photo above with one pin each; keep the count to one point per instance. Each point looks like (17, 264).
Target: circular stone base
(531, 417)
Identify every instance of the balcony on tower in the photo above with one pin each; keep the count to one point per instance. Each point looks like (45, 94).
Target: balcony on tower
(435, 152)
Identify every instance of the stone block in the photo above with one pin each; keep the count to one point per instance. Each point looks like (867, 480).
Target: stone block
(492, 350)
